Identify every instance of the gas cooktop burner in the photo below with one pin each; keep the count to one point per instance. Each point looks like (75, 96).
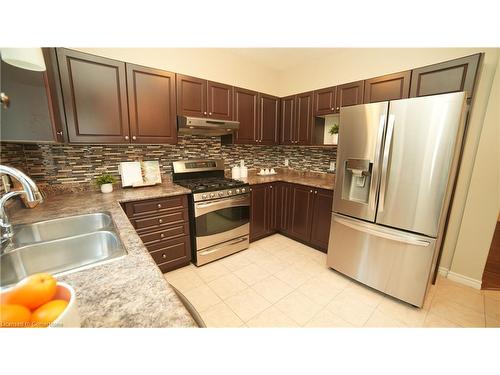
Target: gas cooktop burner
(209, 184)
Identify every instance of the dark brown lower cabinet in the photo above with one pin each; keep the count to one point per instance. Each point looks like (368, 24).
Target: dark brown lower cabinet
(301, 212)
(163, 226)
(262, 211)
(297, 211)
(321, 218)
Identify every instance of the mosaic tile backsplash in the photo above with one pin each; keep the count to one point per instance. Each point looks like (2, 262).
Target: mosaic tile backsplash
(69, 164)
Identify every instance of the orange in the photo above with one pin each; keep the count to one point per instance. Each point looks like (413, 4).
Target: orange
(14, 316)
(33, 291)
(48, 312)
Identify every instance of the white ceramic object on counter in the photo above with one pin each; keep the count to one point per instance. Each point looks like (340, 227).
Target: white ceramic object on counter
(235, 173)
(106, 188)
(243, 170)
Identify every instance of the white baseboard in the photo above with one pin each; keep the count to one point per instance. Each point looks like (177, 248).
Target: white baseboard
(443, 271)
(465, 280)
(476, 284)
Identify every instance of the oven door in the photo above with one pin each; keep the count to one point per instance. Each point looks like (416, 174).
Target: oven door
(221, 220)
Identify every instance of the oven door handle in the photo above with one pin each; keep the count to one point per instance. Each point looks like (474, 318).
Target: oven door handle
(206, 252)
(202, 208)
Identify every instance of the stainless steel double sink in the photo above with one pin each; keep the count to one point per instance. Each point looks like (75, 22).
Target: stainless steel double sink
(60, 246)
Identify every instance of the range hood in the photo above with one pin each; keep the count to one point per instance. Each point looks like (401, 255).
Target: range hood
(205, 126)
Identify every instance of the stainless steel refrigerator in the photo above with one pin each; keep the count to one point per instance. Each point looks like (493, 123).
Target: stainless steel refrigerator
(396, 166)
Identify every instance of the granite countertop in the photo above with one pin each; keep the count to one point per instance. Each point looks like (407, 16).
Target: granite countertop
(313, 179)
(129, 291)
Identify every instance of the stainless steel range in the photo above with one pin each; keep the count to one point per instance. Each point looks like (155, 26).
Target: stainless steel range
(219, 209)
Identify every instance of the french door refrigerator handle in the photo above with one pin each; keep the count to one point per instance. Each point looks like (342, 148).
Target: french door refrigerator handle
(385, 162)
(367, 228)
(376, 161)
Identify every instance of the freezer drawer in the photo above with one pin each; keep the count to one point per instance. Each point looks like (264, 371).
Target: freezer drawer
(392, 261)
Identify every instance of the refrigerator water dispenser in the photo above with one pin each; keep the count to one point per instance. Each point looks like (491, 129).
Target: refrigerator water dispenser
(357, 180)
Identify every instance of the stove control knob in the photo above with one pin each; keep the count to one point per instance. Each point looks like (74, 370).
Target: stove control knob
(221, 193)
(243, 190)
(204, 196)
(212, 195)
(229, 192)
(237, 191)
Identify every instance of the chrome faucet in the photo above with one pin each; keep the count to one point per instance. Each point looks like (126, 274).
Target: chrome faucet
(32, 195)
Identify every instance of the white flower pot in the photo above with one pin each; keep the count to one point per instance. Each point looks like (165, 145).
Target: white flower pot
(106, 188)
(335, 138)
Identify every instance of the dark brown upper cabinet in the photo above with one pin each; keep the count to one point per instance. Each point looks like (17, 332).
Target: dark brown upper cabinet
(269, 108)
(349, 94)
(151, 100)
(388, 87)
(450, 76)
(198, 97)
(303, 123)
(287, 120)
(324, 101)
(191, 96)
(33, 113)
(95, 97)
(220, 101)
(296, 119)
(246, 111)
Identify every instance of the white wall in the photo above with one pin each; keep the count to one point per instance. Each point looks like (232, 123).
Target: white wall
(483, 198)
(216, 64)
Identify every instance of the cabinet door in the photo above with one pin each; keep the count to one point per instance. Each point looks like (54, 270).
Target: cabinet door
(349, 94)
(220, 101)
(303, 122)
(258, 211)
(281, 206)
(324, 101)
(300, 210)
(322, 212)
(191, 96)
(269, 119)
(247, 113)
(28, 115)
(271, 209)
(388, 87)
(151, 99)
(287, 120)
(95, 97)
(450, 76)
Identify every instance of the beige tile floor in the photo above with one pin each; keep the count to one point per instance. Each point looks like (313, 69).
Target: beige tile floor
(279, 282)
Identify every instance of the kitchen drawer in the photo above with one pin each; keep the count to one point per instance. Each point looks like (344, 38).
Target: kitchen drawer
(152, 206)
(145, 224)
(171, 254)
(169, 232)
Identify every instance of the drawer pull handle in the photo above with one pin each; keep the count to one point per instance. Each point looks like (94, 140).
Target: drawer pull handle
(162, 235)
(160, 221)
(159, 205)
(163, 255)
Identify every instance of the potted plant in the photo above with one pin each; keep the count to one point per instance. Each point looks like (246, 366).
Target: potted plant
(106, 182)
(334, 132)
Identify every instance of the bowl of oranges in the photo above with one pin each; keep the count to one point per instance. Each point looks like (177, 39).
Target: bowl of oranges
(39, 301)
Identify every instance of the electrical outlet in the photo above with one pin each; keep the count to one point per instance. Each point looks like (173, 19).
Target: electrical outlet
(286, 162)
(6, 183)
